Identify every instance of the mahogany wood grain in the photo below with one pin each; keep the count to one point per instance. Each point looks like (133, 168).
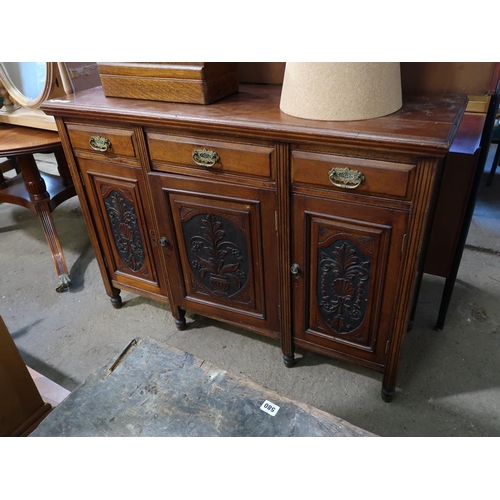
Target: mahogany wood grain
(118, 208)
(120, 139)
(263, 240)
(380, 177)
(354, 251)
(233, 274)
(247, 159)
(22, 140)
(425, 125)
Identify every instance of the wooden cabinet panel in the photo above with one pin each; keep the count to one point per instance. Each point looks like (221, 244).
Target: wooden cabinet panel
(344, 294)
(121, 220)
(223, 261)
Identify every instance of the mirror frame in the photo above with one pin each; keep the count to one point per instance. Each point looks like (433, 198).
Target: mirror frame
(57, 83)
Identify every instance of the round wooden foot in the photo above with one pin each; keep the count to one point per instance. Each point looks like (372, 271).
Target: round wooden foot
(180, 324)
(288, 360)
(116, 302)
(387, 396)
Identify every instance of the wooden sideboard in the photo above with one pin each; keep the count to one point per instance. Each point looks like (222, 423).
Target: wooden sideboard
(305, 231)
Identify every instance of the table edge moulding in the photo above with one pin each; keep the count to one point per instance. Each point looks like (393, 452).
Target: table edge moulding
(310, 232)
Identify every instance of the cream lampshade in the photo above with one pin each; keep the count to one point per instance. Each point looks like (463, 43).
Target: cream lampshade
(341, 91)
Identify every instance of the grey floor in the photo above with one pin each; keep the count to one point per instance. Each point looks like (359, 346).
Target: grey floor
(449, 382)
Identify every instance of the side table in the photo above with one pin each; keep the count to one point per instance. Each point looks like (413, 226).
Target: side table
(38, 191)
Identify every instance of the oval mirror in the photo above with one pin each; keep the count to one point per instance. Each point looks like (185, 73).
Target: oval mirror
(28, 83)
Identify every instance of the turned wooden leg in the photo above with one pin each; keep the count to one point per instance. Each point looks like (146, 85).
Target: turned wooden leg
(180, 319)
(387, 394)
(389, 380)
(287, 347)
(116, 300)
(40, 202)
(288, 350)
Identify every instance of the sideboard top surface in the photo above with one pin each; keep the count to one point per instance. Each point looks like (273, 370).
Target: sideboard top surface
(426, 124)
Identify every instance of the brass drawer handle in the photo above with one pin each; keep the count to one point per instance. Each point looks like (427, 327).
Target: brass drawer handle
(99, 143)
(205, 158)
(345, 178)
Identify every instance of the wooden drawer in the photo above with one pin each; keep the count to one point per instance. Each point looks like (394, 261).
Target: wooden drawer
(86, 138)
(220, 156)
(375, 176)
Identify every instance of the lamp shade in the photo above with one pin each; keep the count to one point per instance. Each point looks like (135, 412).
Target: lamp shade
(341, 91)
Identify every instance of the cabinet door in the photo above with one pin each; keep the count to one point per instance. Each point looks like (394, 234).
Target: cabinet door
(221, 256)
(344, 292)
(121, 214)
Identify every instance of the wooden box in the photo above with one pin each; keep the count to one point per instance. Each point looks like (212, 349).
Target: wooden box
(152, 389)
(194, 82)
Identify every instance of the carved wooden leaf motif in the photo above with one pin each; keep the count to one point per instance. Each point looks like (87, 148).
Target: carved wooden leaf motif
(217, 252)
(342, 285)
(125, 229)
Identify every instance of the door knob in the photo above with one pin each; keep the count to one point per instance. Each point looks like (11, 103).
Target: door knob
(163, 241)
(295, 270)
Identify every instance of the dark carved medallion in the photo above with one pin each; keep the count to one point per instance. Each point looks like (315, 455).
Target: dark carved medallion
(125, 229)
(217, 252)
(342, 285)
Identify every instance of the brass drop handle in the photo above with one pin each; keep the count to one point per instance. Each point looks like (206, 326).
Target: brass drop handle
(345, 178)
(295, 270)
(99, 143)
(205, 157)
(163, 241)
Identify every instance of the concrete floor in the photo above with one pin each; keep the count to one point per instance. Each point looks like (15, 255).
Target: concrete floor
(449, 382)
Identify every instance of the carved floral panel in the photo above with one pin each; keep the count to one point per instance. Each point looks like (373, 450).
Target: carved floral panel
(343, 280)
(217, 253)
(125, 229)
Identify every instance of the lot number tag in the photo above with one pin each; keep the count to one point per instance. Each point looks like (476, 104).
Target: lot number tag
(269, 407)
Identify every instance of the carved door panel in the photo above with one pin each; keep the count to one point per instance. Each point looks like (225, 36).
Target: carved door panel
(344, 294)
(221, 249)
(119, 211)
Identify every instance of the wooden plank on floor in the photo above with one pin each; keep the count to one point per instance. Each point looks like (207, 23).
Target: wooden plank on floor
(152, 389)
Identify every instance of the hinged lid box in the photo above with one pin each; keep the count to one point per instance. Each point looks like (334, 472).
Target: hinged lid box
(193, 82)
